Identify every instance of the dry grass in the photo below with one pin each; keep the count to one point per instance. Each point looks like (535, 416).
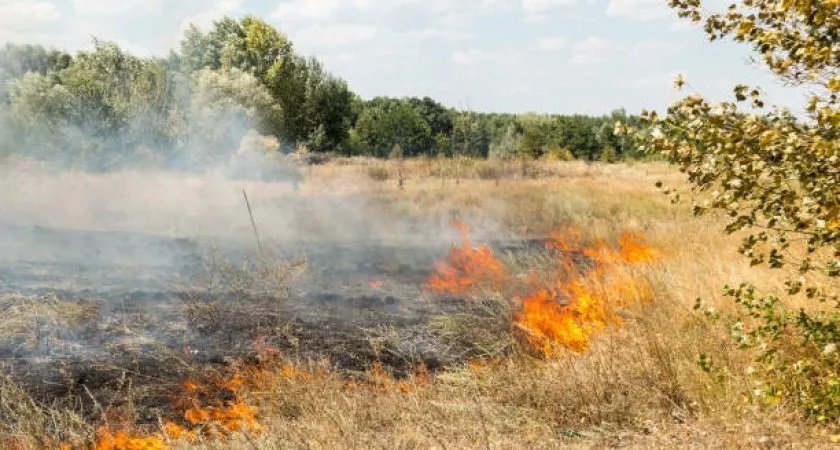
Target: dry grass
(638, 386)
(33, 322)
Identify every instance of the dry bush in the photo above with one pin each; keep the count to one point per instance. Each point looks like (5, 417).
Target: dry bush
(378, 173)
(482, 327)
(26, 424)
(29, 323)
(487, 170)
(225, 294)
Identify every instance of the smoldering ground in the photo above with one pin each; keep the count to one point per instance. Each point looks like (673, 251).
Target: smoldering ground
(129, 258)
(136, 277)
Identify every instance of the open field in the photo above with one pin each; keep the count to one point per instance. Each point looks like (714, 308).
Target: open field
(365, 319)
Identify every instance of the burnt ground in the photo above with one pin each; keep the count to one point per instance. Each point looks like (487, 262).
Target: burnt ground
(88, 318)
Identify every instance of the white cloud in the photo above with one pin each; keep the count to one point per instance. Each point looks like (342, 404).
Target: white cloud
(473, 57)
(306, 9)
(319, 10)
(23, 15)
(346, 57)
(591, 51)
(654, 50)
(215, 11)
(452, 13)
(462, 6)
(444, 34)
(550, 43)
(116, 8)
(538, 10)
(658, 80)
(642, 10)
(335, 35)
(23, 21)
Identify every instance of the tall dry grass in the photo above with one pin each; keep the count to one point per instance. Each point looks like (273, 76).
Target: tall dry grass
(638, 385)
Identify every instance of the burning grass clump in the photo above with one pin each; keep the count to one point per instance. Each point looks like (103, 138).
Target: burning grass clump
(467, 268)
(581, 301)
(107, 439)
(209, 405)
(584, 290)
(213, 407)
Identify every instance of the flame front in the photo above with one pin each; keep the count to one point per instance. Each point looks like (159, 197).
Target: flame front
(586, 295)
(208, 411)
(592, 283)
(122, 440)
(467, 267)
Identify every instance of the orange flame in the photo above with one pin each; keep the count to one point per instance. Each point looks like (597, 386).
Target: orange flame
(177, 432)
(207, 411)
(583, 301)
(211, 407)
(121, 440)
(203, 416)
(467, 267)
(634, 250)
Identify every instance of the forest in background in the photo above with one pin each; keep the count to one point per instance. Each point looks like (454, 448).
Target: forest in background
(105, 108)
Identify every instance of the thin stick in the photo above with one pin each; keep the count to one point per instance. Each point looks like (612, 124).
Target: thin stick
(253, 223)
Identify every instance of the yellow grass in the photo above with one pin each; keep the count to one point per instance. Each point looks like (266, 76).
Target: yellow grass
(638, 386)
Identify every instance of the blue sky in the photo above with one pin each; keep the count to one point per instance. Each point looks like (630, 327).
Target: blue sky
(557, 56)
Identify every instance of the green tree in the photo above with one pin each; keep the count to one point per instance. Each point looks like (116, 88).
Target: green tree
(506, 146)
(778, 178)
(265, 48)
(251, 46)
(579, 133)
(224, 45)
(439, 118)
(470, 136)
(17, 60)
(38, 115)
(386, 122)
(538, 134)
(105, 103)
(329, 108)
(224, 104)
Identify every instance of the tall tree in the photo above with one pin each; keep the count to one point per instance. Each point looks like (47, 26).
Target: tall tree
(385, 123)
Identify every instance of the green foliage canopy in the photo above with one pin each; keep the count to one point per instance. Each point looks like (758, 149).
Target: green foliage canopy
(776, 177)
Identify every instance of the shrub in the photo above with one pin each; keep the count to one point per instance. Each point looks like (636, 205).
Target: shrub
(488, 170)
(559, 154)
(609, 155)
(378, 173)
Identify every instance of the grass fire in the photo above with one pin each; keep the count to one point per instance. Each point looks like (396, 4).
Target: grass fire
(582, 301)
(537, 304)
(467, 267)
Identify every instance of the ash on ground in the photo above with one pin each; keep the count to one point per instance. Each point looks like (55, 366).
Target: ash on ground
(111, 311)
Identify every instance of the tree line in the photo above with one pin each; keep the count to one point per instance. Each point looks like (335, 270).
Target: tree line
(105, 106)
